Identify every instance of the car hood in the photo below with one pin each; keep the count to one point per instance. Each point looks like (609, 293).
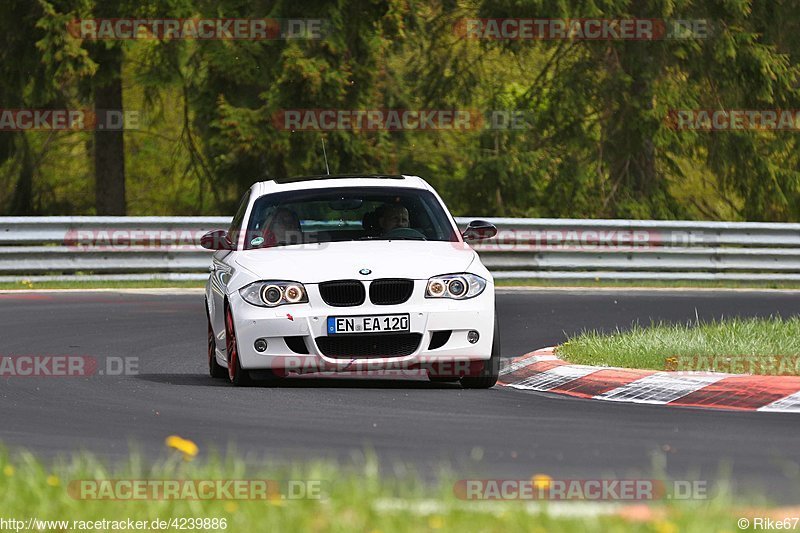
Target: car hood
(314, 263)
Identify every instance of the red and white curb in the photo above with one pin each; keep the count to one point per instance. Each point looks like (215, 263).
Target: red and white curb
(544, 372)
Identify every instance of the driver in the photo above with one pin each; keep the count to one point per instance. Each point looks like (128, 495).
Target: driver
(392, 216)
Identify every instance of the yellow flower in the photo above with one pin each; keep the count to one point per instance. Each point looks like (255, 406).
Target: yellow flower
(274, 495)
(186, 447)
(666, 527)
(231, 507)
(53, 481)
(541, 481)
(276, 499)
(436, 522)
(8, 470)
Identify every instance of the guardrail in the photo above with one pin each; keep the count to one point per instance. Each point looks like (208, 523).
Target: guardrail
(116, 248)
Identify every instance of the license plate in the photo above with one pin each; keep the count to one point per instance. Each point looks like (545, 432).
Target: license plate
(367, 324)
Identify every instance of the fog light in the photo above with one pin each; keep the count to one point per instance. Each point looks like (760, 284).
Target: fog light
(473, 336)
(260, 345)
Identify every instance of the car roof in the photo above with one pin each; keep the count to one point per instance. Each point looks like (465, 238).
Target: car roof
(338, 180)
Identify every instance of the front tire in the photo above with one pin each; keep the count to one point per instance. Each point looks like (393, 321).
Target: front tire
(442, 379)
(215, 370)
(487, 378)
(236, 374)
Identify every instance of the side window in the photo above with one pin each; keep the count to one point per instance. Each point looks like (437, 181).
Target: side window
(238, 219)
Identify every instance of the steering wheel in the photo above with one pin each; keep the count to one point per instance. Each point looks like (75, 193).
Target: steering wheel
(404, 233)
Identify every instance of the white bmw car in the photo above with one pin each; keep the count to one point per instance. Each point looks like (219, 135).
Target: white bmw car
(349, 273)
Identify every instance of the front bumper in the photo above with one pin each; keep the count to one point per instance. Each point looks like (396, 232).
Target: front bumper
(309, 322)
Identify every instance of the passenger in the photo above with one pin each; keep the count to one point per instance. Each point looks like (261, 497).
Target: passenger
(283, 228)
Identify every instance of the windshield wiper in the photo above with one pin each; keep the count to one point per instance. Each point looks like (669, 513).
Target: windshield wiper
(384, 238)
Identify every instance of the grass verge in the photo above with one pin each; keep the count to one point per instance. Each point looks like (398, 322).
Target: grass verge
(500, 283)
(356, 499)
(654, 284)
(148, 284)
(738, 346)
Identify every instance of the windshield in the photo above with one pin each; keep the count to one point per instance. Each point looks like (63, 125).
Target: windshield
(347, 214)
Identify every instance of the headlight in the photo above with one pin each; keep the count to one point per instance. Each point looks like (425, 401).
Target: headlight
(274, 293)
(455, 286)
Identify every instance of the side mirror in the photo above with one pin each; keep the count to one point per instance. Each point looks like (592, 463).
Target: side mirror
(478, 230)
(216, 240)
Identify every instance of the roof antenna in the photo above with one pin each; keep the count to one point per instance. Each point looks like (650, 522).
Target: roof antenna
(327, 170)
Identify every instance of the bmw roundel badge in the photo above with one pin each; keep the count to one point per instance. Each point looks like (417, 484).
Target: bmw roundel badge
(365, 271)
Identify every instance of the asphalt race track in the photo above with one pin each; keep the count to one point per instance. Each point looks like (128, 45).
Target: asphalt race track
(491, 434)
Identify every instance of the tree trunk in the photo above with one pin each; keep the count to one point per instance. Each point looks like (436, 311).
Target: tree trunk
(22, 201)
(109, 147)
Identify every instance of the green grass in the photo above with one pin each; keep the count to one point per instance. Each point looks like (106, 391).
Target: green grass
(358, 498)
(756, 346)
(77, 283)
(150, 284)
(655, 284)
(543, 283)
